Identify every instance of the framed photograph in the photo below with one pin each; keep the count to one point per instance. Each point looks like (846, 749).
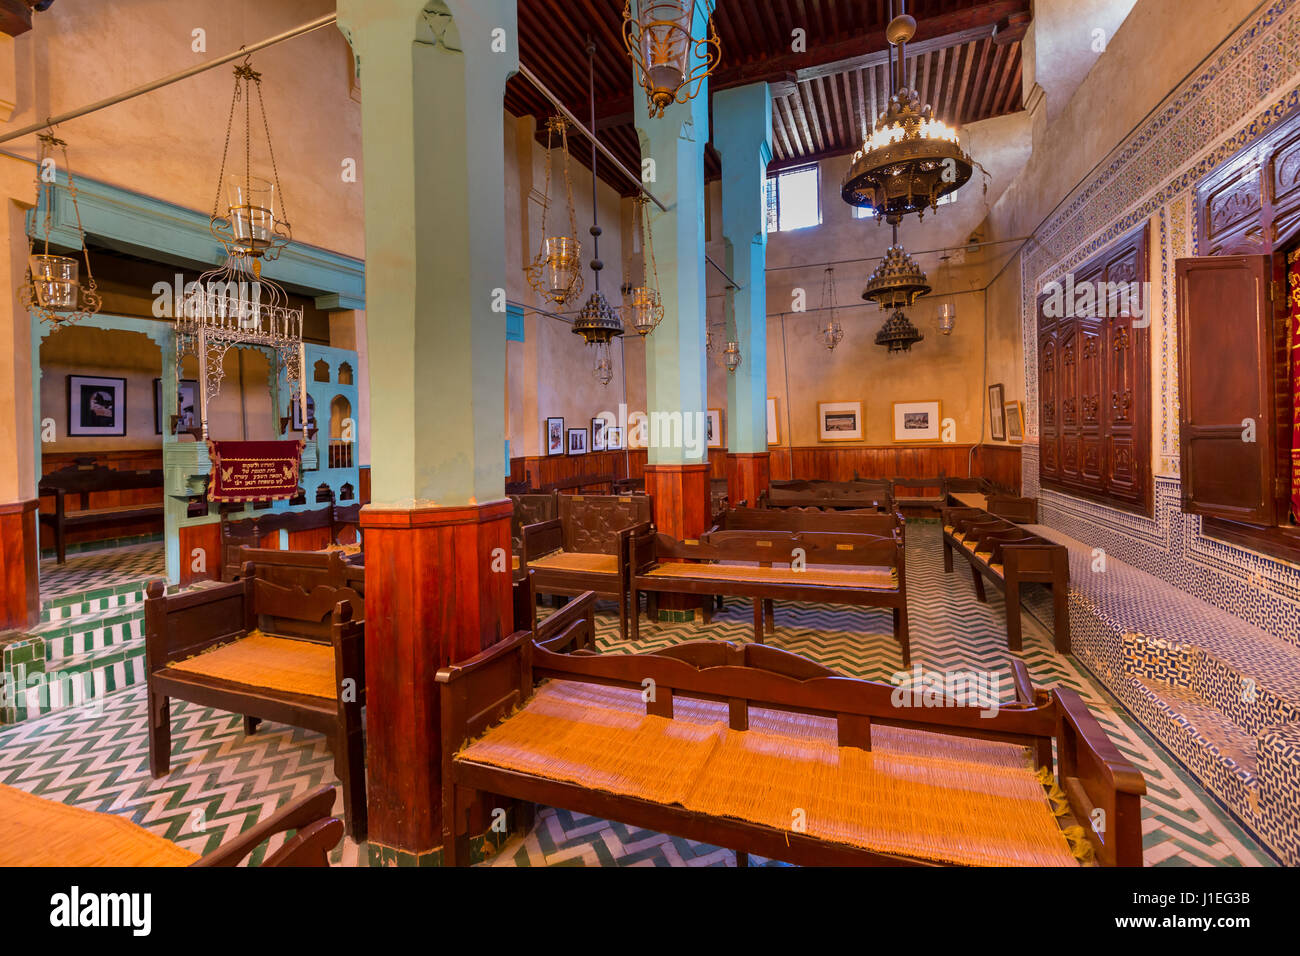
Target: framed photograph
(773, 431)
(713, 427)
(295, 413)
(916, 421)
(96, 406)
(187, 405)
(577, 441)
(598, 434)
(613, 438)
(1015, 414)
(839, 421)
(555, 436)
(997, 420)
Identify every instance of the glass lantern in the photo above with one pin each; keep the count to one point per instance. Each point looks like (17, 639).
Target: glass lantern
(561, 264)
(947, 317)
(731, 356)
(252, 214)
(832, 335)
(54, 279)
(644, 309)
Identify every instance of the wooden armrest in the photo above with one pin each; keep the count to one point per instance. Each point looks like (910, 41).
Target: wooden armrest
(454, 672)
(542, 538)
(1121, 774)
(309, 816)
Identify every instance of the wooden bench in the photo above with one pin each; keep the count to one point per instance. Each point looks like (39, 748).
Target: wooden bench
(861, 570)
(268, 651)
(1009, 556)
(868, 521)
(804, 493)
(84, 478)
(585, 547)
(250, 531)
(49, 833)
(812, 727)
(580, 483)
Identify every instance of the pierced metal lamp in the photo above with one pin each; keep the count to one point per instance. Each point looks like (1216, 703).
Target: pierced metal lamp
(556, 271)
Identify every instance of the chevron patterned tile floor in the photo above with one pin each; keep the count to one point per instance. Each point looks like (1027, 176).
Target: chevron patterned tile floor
(223, 782)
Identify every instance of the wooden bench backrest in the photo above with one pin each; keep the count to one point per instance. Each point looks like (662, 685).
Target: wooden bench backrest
(591, 523)
(782, 547)
(530, 509)
(799, 519)
(1013, 508)
(83, 479)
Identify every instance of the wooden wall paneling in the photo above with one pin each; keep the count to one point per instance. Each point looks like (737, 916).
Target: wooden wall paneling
(207, 537)
(310, 539)
(140, 459)
(19, 566)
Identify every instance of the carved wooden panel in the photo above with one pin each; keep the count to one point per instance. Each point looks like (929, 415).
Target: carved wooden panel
(1095, 377)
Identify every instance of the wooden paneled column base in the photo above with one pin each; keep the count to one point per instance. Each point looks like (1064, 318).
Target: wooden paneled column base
(748, 474)
(20, 594)
(432, 599)
(682, 509)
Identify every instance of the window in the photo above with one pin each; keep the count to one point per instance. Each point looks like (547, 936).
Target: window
(794, 199)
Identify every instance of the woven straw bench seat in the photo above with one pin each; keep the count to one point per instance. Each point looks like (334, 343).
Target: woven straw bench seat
(922, 795)
(577, 561)
(39, 832)
(264, 660)
(877, 579)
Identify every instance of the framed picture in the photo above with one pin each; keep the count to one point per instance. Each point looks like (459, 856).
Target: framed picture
(773, 431)
(187, 405)
(598, 434)
(713, 427)
(96, 405)
(916, 421)
(997, 419)
(839, 421)
(613, 438)
(555, 436)
(1015, 421)
(577, 441)
(295, 413)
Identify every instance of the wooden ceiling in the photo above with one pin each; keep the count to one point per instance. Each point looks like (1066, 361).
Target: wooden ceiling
(964, 60)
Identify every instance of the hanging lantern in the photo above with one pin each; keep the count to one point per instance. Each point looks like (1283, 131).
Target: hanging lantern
(947, 311)
(234, 304)
(898, 334)
(662, 46)
(643, 307)
(53, 289)
(910, 160)
(832, 334)
(731, 357)
(897, 282)
(556, 272)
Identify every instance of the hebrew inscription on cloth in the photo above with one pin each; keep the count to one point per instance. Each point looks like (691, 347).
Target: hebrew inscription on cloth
(253, 470)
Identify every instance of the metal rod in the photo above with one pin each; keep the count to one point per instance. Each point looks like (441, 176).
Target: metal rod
(49, 121)
(922, 252)
(614, 161)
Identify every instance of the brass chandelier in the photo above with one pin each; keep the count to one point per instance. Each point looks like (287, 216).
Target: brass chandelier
(661, 44)
(234, 304)
(53, 289)
(896, 284)
(910, 160)
(597, 322)
(556, 272)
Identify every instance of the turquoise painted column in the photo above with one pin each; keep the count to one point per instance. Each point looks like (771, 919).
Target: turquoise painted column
(672, 151)
(742, 130)
(437, 531)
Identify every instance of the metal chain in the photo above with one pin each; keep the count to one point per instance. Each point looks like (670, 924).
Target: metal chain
(546, 195)
(275, 172)
(568, 181)
(230, 121)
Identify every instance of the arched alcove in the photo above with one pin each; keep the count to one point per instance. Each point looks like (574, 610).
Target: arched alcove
(341, 433)
(345, 373)
(321, 371)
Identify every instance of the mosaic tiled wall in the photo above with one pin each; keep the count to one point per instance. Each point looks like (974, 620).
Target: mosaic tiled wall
(1243, 89)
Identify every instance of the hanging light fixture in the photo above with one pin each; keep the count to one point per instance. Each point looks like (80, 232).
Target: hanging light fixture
(947, 310)
(235, 304)
(731, 357)
(832, 333)
(53, 289)
(662, 46)
(898, 334)
(556, 272)
(896, 284)
(597, 322)
(910, 160)
(643, 307)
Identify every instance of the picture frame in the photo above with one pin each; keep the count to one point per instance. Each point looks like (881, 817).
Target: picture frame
(997, 414)
(96, 406)
(577, 441)
(553, 436)
(713, 428)
(613, 438)
(598, 434)
(1015, 415)
(186, 408)
(839, 421)
(917, 421)
(773, 423)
